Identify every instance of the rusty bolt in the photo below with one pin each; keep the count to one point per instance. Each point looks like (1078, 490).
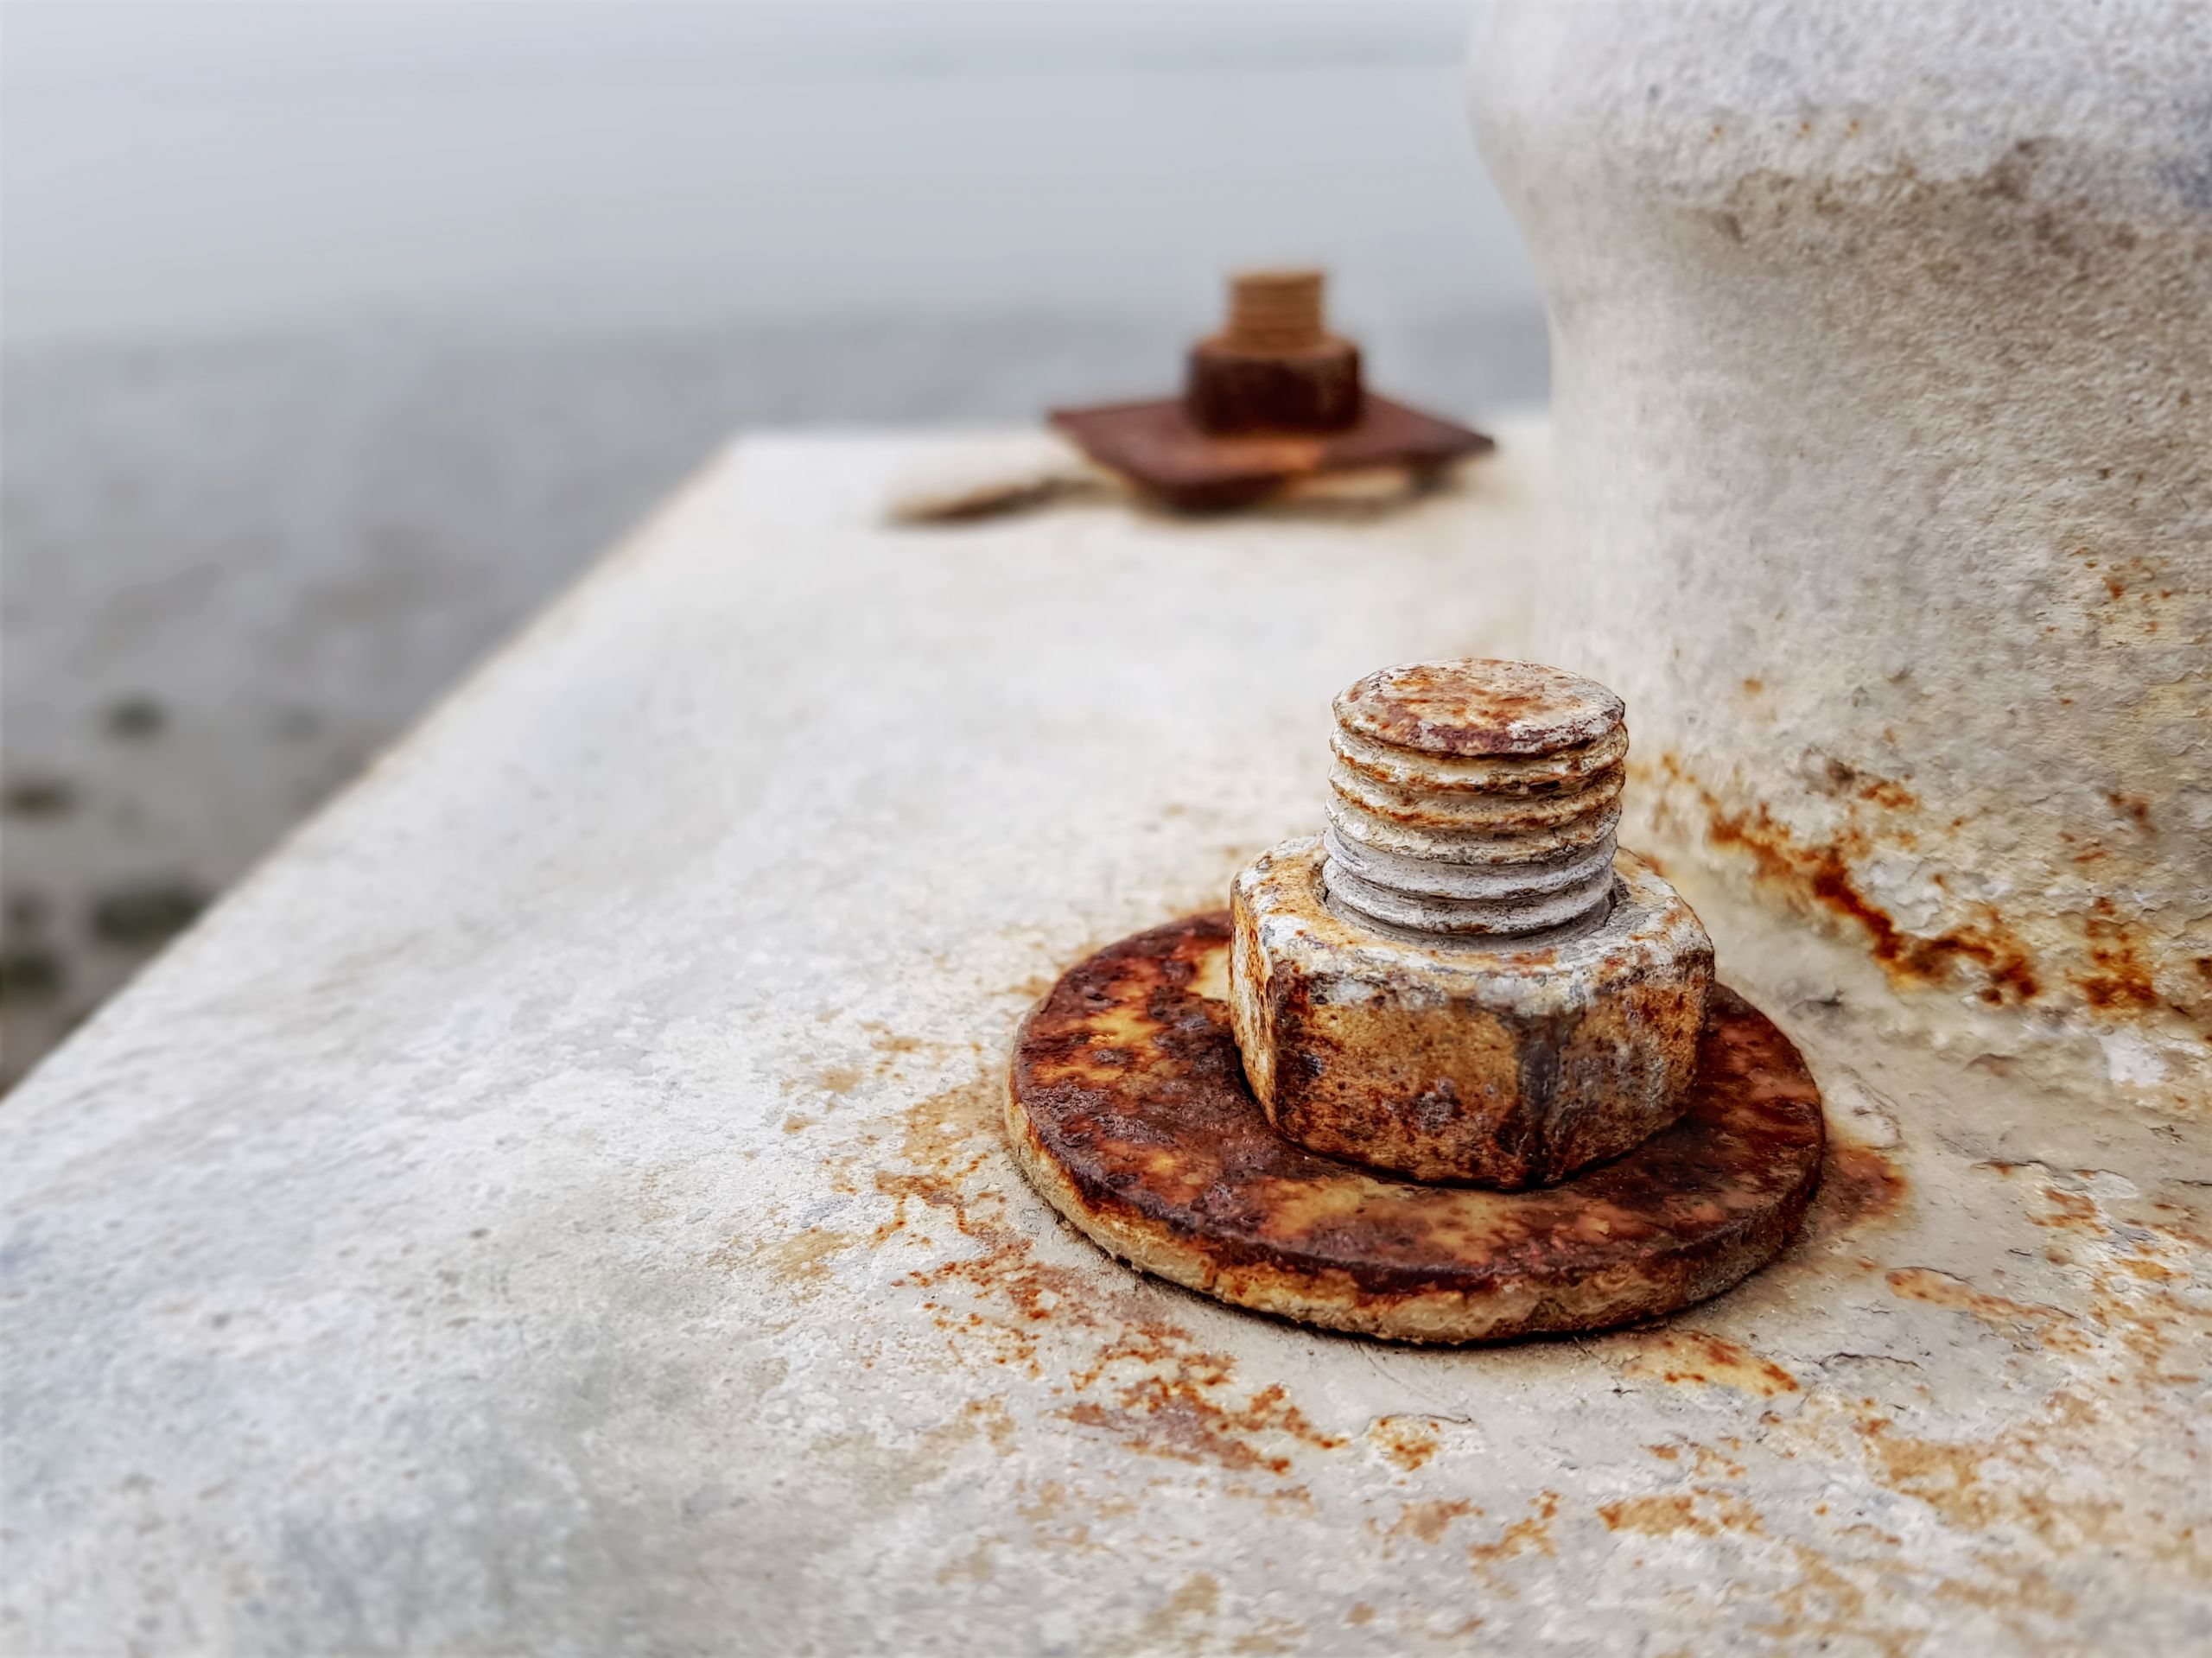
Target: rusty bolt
(1274, 366)
(1463, 978)
(1270, 404)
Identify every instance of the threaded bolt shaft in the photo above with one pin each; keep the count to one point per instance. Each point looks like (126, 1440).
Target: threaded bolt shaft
(1275, 310)
(1474, 797)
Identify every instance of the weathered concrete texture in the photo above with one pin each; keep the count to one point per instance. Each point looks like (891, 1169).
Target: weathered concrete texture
(286, 547)
(1882, 371)
(559, 1205)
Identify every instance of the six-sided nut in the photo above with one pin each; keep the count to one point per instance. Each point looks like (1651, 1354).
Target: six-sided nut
(1509, 1063)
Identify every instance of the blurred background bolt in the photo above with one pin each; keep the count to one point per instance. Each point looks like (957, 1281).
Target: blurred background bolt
(1272, 406)
(1274, 366)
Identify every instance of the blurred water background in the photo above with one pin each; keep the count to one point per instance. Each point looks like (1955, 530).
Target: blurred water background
(338, 337)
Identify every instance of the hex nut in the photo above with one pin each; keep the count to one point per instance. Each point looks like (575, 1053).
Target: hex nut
(1313, 390)
(1506, 1062)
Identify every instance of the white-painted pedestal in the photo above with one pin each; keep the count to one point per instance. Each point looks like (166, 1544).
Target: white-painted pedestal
(557, 1206)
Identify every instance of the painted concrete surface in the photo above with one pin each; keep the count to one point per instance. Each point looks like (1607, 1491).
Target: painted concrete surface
(1881, 363)
(557, 1203)
(278, 552)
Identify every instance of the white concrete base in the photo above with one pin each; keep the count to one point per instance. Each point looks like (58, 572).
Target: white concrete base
(557, 1205)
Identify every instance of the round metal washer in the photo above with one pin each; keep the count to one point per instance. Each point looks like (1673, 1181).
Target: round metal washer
(1127, 1108)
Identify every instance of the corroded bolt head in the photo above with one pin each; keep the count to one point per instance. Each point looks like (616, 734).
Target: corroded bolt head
(1274, 366)
(1464, 979)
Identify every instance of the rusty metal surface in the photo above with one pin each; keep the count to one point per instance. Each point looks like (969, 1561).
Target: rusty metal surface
(1479, 706)
(1159, 447)
(1127, 1105)
(1462, 979)
(1229, 389)
(1509, 1063)
(1272, 400)
(1474, 797)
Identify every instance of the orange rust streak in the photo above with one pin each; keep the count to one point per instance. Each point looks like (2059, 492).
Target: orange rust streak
(2121, 980)
(1409, 1444)
(1680, 1356)
(1662, 1516)
(2053, 1328)
(1858, 1186)
(1820, 876)
(1521, 1537)
(1429, 1520)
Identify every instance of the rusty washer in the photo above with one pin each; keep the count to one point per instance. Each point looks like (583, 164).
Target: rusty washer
(1462, 983)
(1127, 1110)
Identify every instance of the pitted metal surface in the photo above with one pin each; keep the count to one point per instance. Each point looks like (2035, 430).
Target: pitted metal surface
(1507, 1061)
(1473, 707)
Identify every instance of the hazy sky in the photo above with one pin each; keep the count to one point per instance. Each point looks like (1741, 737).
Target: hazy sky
(189, 169)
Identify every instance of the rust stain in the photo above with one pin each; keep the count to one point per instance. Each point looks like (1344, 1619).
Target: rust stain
(2111, 973)
(1274, 1634)
(1819, 878)
(1695, 1355)
(799, 1259)
(940, 1150)
(1519, 1537)
(1173, 1407)
(1164, 1629)
(1428, 1521)
(1031, 989)
(1824, 1606)
(2134, 808)
(1841, 779)
(1889, 794)
(1859, 1186)
(1129, 1371)
(2130, 1332)
(2121, 979)
(2074, 1212)
(1407, 1441)
(1703, 1511)
(1980, 1486)
(976, 1566)
(2016, 1320)
(835, 1080)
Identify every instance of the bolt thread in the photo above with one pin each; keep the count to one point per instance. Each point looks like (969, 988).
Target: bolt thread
(1474, 797)
(1274, 311)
